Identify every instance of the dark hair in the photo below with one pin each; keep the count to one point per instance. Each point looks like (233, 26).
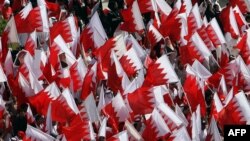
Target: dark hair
(24, 107)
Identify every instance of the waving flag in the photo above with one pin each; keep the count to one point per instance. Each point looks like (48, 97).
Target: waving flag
(238, 107)
(243, 46)
(154, 35)
(241, 22)
(122, 136)
(117, 112)
(213, 132)
(38, 19)
(132, 132)
(132, 19)
(216, 107)
(215, 34)
(193, 92)
(163, 7)
(66, 28)
(170, 117)
(53, 8)
(21, 19)
(229, 22)
(141, 101)
(131, 62)
(31, 43)
(194, 20)
(244, 5)
(146, 5)
(117, 78)
(169, 21)
(180, 134)
(93, 35)
(160, 72)
(36, 134)
(156, 127)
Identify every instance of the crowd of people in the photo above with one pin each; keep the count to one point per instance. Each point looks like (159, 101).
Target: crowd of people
(123, 69)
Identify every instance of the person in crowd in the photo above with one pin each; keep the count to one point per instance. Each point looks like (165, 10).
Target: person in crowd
(19, 121)
(14, 121)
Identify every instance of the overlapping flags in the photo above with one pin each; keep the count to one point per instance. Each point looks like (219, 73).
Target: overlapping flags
(116, 88)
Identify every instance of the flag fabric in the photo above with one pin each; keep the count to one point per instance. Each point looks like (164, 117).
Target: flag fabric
(38, 19)
(244, 5)
(162, 67)
(132, 18)
(215, 34)
(194, 92)
(93, 35)
(21, 19)
(136, 70)
(36, 134)
(230, 24)
(156, 127)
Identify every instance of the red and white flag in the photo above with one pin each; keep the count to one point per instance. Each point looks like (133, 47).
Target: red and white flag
(154, 35)
(25, 86)
(8, 64)
(66, 28)
(216, 107)
(240, 19)
(142, 100)
(179, 112)
(38, 19)
(93, 35)
(117, 78)
(163, 7)
(132, 19)
(193, 91)
(122, 136)
(229, 22)
(200, 48)
(213, 132)
(156, 127)
(29, 115)
(170, 117)
(132, 132)
(160, 72)
(244, 5)
(200, 70)
(131, 62)
(31, 43)
(11, 31)
(116, 111)
(32, 133)
(21, 19)
(180, 134)
(215, 34)
(194, 20)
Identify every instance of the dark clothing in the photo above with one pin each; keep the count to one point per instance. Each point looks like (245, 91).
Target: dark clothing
(19, 123)
(209, 14)
(81, 12)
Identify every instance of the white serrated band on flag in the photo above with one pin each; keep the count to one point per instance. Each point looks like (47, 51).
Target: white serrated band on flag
(214, 24)
(201, 46)
(163, 6)
(168, 69)
(137, 16)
